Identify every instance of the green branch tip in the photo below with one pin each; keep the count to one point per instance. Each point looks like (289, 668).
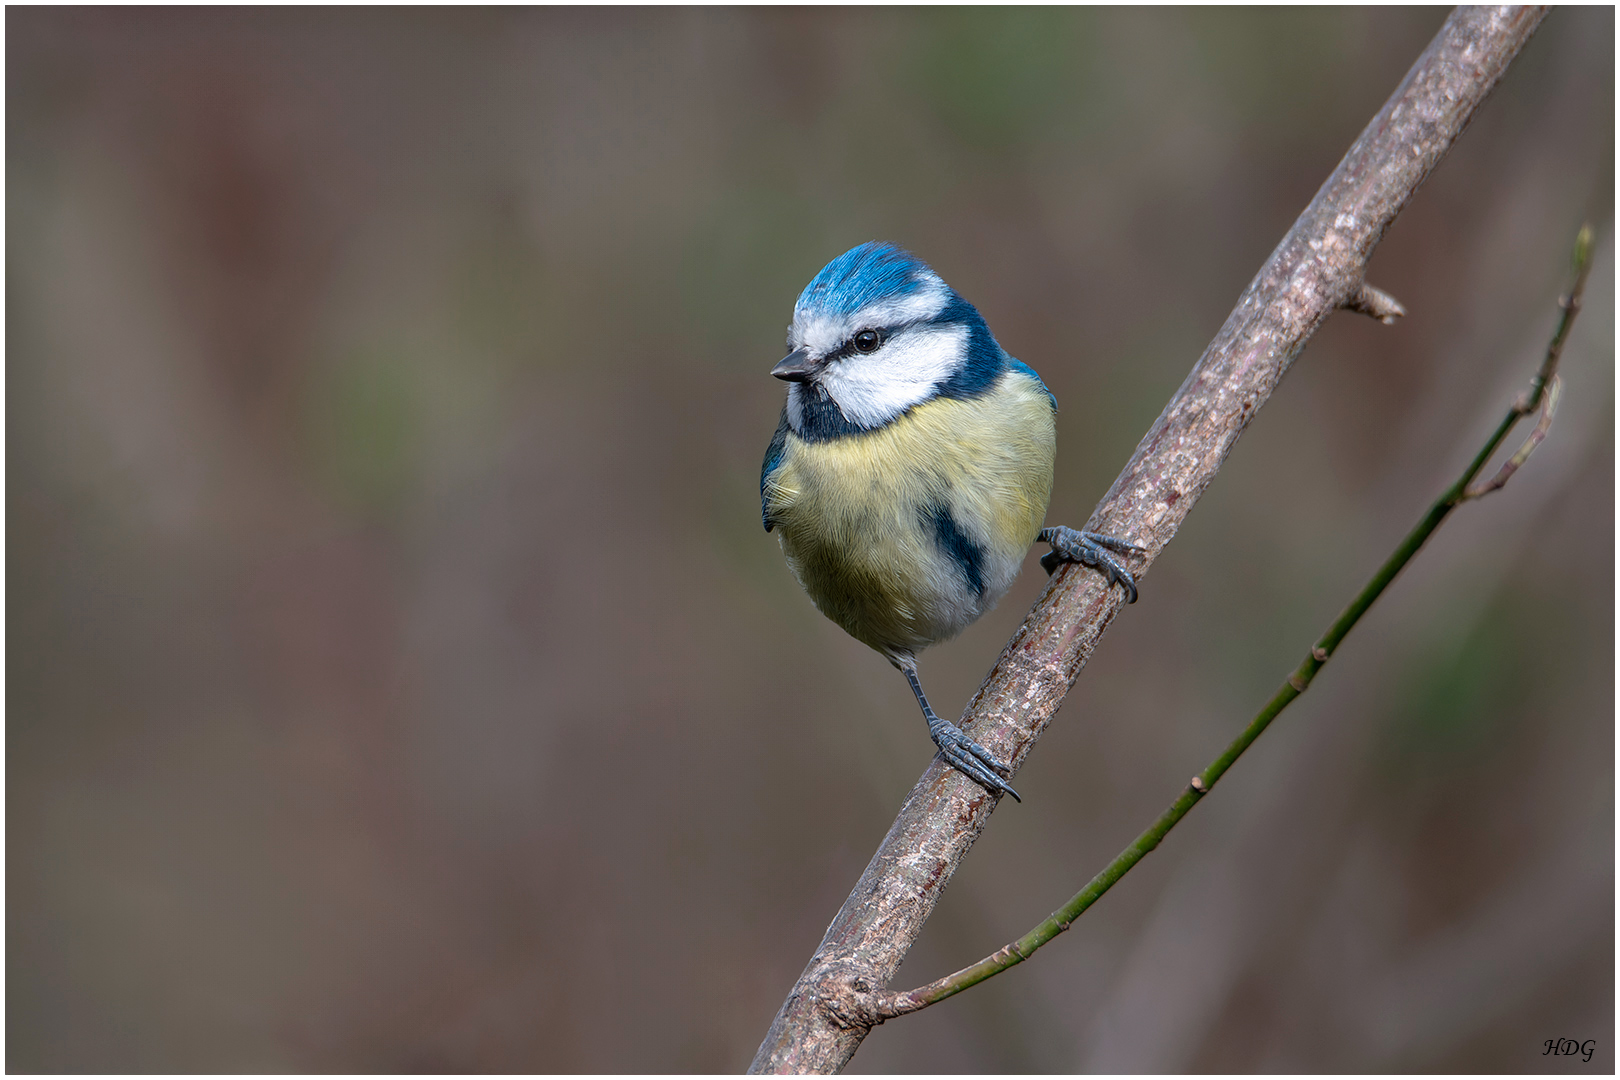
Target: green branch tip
(1583, 249)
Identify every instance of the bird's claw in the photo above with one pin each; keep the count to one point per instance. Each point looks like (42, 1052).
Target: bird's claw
(971, 759)
(1090, 549)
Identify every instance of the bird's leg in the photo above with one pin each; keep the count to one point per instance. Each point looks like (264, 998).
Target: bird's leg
(1090, 549)
(958, 750)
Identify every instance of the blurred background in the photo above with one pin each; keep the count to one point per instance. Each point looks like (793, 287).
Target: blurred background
(399, 677)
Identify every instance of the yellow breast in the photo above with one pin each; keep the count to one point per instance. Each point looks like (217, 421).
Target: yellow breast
(867, 520)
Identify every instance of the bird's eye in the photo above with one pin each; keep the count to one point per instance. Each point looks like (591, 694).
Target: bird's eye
(868, 341)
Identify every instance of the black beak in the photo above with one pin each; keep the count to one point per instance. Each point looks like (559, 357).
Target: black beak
(796, 366)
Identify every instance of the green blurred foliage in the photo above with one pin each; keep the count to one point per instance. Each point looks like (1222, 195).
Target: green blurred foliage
(1459, 692)
(364, 421)
(996, 78)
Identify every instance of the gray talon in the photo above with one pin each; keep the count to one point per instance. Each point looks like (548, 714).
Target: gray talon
(960, 752)
(1090, 549)
(969, 757)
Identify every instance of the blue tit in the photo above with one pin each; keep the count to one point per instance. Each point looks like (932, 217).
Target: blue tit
(911, 468)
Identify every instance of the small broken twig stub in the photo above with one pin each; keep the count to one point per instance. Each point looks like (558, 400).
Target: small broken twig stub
(1369, 300)
(1319, 266)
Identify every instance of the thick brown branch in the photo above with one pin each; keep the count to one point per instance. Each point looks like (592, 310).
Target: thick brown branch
(1318, 267)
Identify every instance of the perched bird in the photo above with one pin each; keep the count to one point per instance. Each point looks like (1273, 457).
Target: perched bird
(911, 468)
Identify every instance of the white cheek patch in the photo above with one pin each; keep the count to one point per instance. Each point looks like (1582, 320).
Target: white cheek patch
(874, 388)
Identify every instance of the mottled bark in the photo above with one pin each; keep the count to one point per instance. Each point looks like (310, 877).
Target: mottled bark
(1318, 267)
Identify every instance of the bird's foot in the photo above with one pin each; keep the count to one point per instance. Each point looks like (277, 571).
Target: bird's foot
(1090, 549)
(968, 757)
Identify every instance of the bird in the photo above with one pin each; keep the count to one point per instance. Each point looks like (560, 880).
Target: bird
(911, 469)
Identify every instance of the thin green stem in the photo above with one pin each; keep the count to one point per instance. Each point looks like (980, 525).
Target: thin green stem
(890, 1005)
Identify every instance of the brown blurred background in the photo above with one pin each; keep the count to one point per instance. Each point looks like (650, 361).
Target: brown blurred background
(399, 677)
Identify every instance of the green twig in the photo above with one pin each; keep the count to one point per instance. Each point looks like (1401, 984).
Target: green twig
(1543, 392)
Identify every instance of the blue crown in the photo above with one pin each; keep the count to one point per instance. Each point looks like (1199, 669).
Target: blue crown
(873, 271)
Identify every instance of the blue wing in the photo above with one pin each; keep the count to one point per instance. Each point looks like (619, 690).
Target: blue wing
(773, 458)
(1024, 369)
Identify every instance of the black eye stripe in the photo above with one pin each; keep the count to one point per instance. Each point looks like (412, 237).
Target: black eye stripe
(884, 333)
(852, 346)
